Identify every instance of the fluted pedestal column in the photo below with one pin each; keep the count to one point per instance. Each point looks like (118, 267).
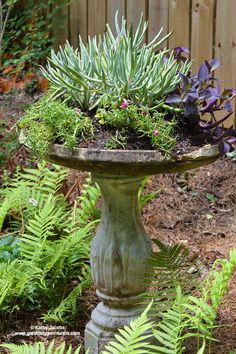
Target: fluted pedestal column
(118, 260)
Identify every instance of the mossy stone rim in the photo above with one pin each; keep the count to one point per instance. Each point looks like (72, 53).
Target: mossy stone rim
(130, 162)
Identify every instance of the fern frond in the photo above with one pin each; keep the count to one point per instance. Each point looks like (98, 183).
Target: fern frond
(173, 267)
(10, 202)
(53, 247)
(216, 284)
(40, 229)
(39, 348)
(15, 279)
(69, 305)
(133, 339)
(28, 191)
(168, 331)
(87, 202)
(42, 178)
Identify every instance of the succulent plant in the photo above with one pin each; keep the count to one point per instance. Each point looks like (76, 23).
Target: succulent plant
(117, 66)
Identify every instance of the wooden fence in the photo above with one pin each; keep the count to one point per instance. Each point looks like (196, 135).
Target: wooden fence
(206, 27)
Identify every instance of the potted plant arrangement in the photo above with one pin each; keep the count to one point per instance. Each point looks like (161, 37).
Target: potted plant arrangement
(122, 109)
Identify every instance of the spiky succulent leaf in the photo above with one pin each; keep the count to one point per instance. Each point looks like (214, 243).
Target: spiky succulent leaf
(117, 65)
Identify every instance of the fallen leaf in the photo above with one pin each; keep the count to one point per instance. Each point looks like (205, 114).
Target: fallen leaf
(6, 85)
(42, 83)
(7, 70)
(29, 76)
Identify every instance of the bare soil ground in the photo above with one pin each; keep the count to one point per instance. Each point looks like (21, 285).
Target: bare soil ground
(197, 209)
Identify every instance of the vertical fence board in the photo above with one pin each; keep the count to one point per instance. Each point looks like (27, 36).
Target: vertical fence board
(112, 7)
(61, 31)
(202, 31)
(179, 22)
(78, 21)
(134, 10)
(96, 17)
(157, 17)
(225, 44)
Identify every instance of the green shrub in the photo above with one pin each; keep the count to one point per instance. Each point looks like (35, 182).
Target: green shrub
(29, 33)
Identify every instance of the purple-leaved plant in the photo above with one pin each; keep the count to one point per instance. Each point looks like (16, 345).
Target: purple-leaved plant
(198, 95)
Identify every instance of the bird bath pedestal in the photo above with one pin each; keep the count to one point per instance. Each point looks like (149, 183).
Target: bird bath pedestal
(121, 247)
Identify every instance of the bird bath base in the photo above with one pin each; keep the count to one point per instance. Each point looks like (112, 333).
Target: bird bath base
(118, 259)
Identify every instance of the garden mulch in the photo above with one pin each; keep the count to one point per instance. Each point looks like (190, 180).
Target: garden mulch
(197, 209)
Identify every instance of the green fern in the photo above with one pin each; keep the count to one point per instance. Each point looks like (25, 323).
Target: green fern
(53, 246)
(133, 339)
(41, 228)
(188, 317)
(87, 202)
(28, 191)
(192, 316)
(40, 348)
(216, 284)
(169, 331)
(173, 267)
(69, 305)
(17, 279)
(11, 202)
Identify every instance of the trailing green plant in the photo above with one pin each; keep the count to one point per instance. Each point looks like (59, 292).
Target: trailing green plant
(142, 121)
(46, 122)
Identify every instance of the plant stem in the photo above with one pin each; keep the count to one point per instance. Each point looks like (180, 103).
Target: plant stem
(172, 109)
(3, 23)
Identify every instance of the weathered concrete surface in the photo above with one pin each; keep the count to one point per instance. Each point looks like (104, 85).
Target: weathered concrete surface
(118, 258)
(130, 162)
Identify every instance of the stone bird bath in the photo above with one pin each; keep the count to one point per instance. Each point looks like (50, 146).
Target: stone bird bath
(121, 247)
